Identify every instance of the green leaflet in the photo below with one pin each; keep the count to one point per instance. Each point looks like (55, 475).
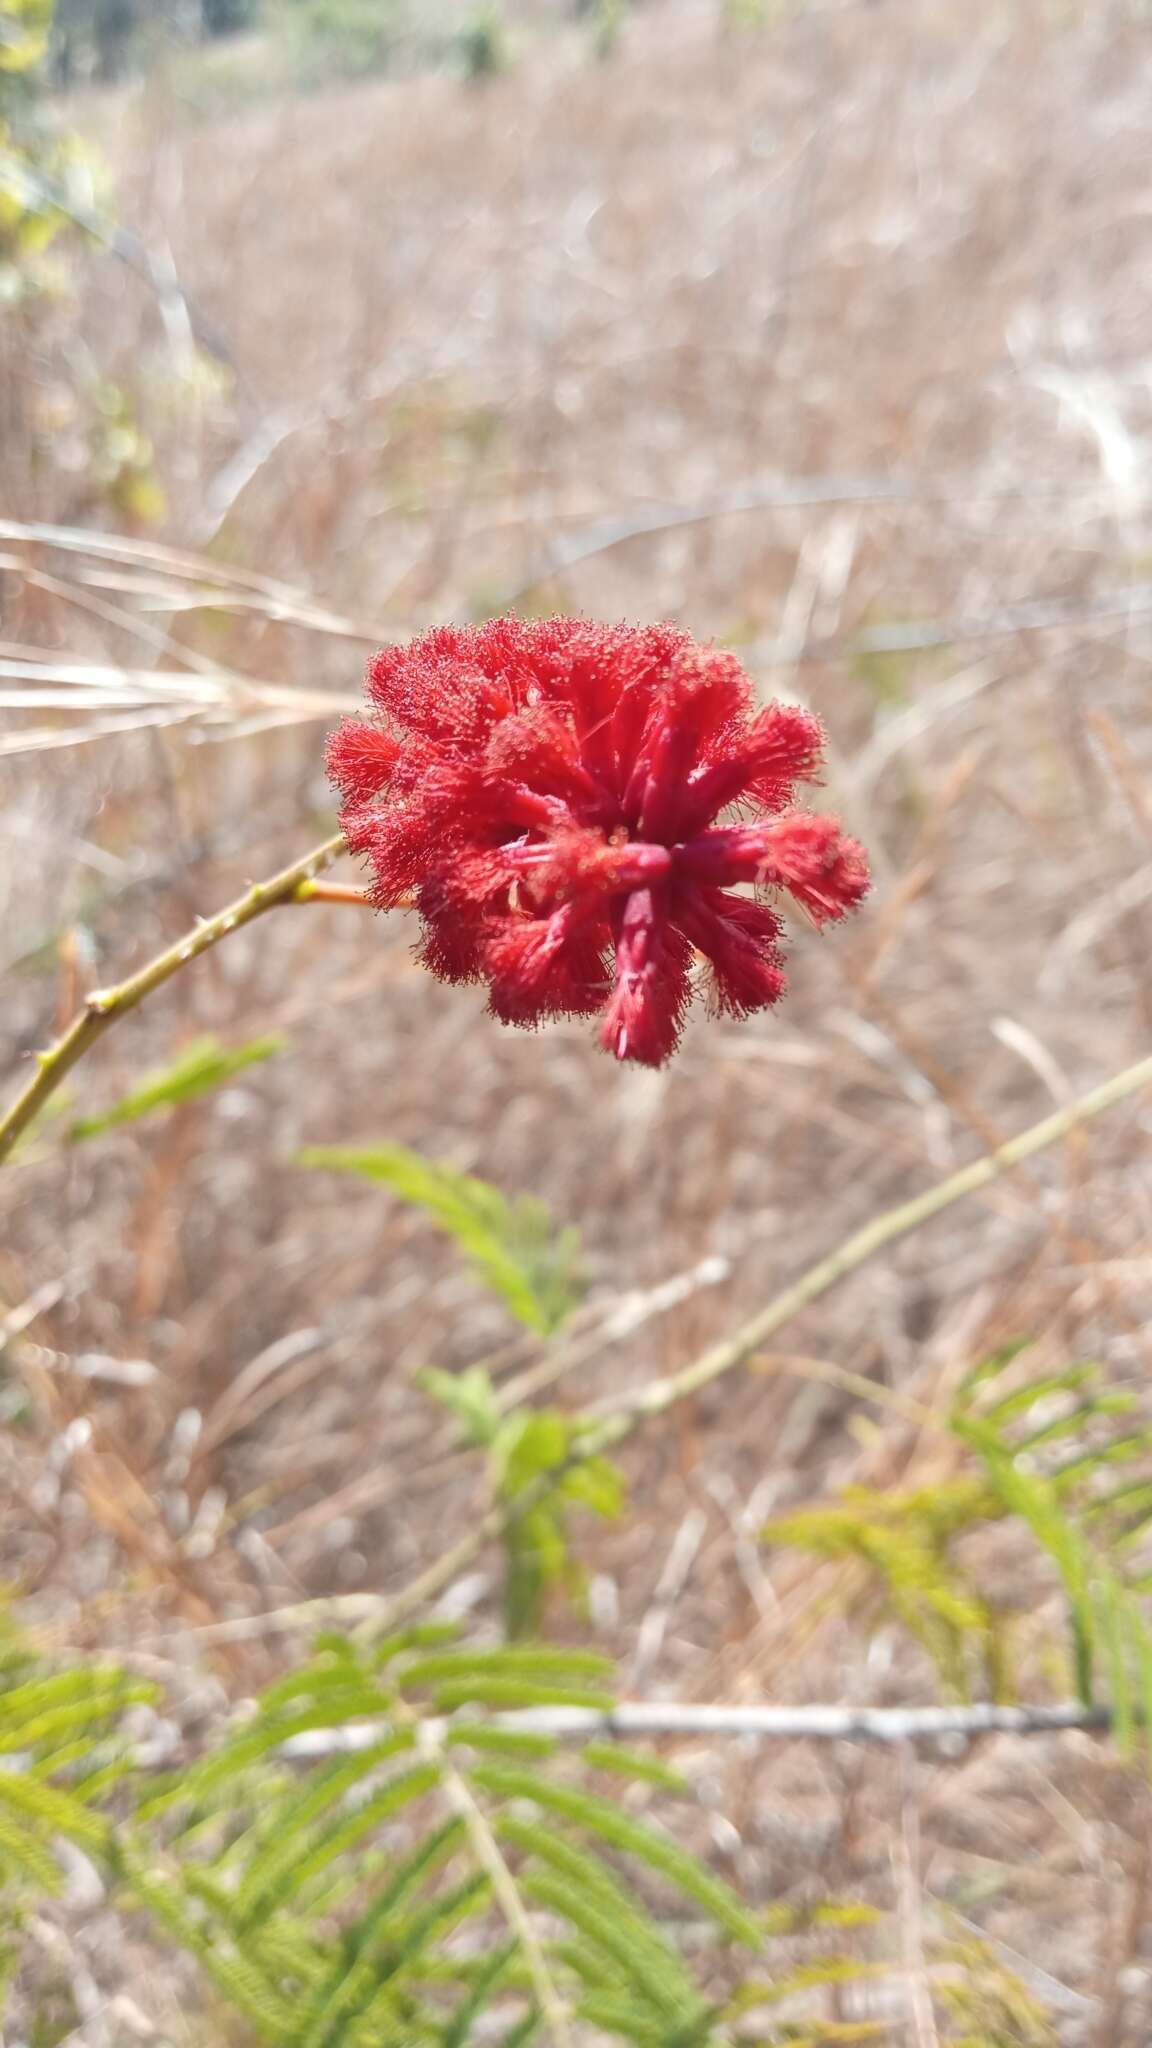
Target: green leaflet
(528, 1448)
(203, 1066)
(594, 1969)
(344, 1835)
(296, 1831)
(600, 1818)
(468, 1395)
(534, 1662)
(535, 1446)
(53, 1811)
(518, 1692)
(608, 1934)
(633, 1763)
(606, 1916)
(458, 2032)
(1023, 1399)
(520, 1742)
(615, 2016)
(906, 1540)
(437, 1848)
(510, 1677)
(511, 1244)
(369, 1989)
(354, 1702)
(42, 1728)
(425, 1635)
(240, 1980)
(23, 1851)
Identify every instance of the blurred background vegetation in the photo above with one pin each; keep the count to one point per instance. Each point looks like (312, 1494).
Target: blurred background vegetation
(103, 41)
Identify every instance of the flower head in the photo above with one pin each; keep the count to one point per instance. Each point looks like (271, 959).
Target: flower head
(571, 806)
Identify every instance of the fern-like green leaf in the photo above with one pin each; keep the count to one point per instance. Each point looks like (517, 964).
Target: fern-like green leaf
(634, 1764)
(424, 1635)
(609, 1935)
(343, 1835)
(470, 1396)
(242, 1983)
(998, 1414)
(538, 1664)
(41, 1731)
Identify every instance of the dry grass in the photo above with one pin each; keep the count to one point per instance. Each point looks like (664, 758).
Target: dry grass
(792, 336)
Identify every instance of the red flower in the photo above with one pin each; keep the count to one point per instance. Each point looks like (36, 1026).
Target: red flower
(548, 791)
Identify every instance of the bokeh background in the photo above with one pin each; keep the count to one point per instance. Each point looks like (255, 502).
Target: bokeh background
(823, 330)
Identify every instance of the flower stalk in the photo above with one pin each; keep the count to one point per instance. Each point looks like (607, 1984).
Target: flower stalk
(295, 884)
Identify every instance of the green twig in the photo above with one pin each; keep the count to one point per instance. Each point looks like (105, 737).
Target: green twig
(662, 1394)
(486, 1849)
(104, 1006)
(606, 1431)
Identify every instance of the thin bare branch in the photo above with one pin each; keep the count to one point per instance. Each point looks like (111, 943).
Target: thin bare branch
(676, 1720)
(619, 1421)
(780, 494)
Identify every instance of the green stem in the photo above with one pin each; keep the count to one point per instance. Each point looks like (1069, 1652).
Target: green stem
(487, 1852)
(721, 1358)
(620, 1421)
(104, 1006)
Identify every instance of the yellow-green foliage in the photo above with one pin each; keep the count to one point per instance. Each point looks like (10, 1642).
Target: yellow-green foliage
(25, 26)
(34, 159)
(1061, 1453)
(77, 420)
(61, 1752)
(351, 38)
(907, 1540)
(985, 2003)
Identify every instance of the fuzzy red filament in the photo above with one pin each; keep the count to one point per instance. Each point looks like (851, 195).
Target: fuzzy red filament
(570, 806)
